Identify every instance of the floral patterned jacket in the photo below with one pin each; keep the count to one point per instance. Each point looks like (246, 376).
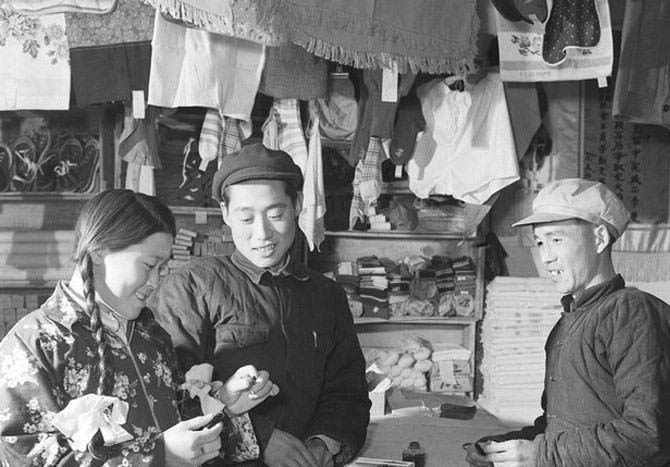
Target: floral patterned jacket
(50, 357)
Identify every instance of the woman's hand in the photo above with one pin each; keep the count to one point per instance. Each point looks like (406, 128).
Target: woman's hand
(246, 389)
(189, 443)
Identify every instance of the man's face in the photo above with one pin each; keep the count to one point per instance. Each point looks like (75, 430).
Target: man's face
(261, 218)
(569, 252)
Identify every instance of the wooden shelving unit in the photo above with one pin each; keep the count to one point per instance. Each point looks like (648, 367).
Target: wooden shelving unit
(374, 332)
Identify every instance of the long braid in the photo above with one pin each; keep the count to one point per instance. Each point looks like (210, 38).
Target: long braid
(93, 310)
(96, 446)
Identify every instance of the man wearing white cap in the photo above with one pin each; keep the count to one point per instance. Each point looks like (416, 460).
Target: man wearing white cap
(606, 398)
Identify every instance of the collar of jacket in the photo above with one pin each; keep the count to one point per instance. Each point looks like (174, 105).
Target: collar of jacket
(592, 294)
(63, 309)
(292, 268)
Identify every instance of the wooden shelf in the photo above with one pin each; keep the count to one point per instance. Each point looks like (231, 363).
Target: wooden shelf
(397, 187)
(44, 196)
(191, 210)
(336, 143)
(397, 235)
(459, 321)
(28, 284)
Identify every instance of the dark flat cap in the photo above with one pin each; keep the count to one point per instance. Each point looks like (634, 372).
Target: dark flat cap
(256, 162)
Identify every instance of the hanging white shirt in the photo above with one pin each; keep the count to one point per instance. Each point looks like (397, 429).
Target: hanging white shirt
(467, 150)
(195, 68)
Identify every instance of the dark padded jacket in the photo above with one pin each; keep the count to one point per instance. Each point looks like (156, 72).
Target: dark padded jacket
(606, 398)
(296, 325)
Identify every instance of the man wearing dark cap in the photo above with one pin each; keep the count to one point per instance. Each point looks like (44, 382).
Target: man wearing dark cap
(606, 398)
(262, 307)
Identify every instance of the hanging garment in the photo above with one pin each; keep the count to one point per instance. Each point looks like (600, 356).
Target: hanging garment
(219, 137)
(376, 118)
(36, 70)
(291, 72)
(109, 74)
(521, 51)
(283, 130)
(270, 130)
(235, 18)
(561, 119)
(311, 220)
(193, 68)
(409, 123)
(209, 144)
(432, 36)
(338, 112)
(234, 131)
(50, 7)
(467, 150)
(367, 182)
(524, 113)
(138, 146)
(571, 24)
(642, 86)
(521, 10)
(129, 22)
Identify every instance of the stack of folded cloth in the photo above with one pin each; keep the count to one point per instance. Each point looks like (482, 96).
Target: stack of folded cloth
(520, 312)
(347, 276)
(372, 287)
(465, 275)
(465, 284)
(444, 274)
(398, 286)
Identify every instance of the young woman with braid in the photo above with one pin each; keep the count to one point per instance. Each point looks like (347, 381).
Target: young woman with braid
(90, 378)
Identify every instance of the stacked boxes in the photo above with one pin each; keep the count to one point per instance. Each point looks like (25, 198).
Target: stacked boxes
(451, 371)
(189, 245)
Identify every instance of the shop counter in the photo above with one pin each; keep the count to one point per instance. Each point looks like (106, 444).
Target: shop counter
(441, 438)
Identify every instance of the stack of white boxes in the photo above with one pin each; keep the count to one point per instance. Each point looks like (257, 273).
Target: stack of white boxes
(520, 312)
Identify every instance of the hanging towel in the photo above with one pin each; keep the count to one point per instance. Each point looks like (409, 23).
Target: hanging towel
(521, 51)
(467, 151)
(209, 144)
(235, 18)
(147, 184)
(291, 72)
(642, 86)
(50, 7)
(367, 182)
(271, 130)
(193, 68)
(311, 218)
(219, 137)
(36, 70)
(432, 36)
(133, 176)
(290, 137)
(234, 131)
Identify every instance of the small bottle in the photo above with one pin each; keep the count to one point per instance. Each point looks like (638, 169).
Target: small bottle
(414, 453)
